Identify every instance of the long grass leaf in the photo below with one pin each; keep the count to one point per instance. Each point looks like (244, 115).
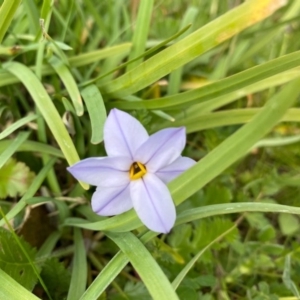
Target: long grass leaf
(7, 11)
(16, 143)
(200, 41)
(12, 290)
(155, 280)
(47, 109)
(69, 82)
(21, 122)
(97, 112)
(79, 273)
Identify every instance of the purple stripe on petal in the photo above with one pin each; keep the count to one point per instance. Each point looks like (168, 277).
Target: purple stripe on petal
(111, 201)
(153, 203)
(173, 170)
(106, 172)
(123, 134)
(162, 148)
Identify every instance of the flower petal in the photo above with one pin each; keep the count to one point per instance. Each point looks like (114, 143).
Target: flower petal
(111, 201)
(153, 204)
(173, 170)
(106, 171)
(123, 134)
(161, 149)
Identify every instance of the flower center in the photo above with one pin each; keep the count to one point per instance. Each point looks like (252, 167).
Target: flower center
(137, 170)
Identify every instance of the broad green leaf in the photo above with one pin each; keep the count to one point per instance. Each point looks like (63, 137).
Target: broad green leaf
(155, 280)
(97, 112)
(200, 41)
(14, 262)
(56, 277)
(15, 179)
(288, 224)
(36, 183)
(12, 290)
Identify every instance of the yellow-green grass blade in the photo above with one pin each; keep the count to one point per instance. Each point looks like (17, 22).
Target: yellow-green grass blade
(265, 84)
(12, 290)
(154, 279)
(218, 88)
(200, 41)
(7, 78)
(7, 11)
(14, 126)
(47, 109)
(97, 112)
(65, 75)
(9, 151)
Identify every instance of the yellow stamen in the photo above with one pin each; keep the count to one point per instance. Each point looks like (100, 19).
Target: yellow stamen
(137, 170)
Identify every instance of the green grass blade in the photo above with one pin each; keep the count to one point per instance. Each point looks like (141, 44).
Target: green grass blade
(32, 147)
(155, 280)
(220, 87)
(21, 122)
(175, 76)
(231, 208)
(7, 78)
(141, 30)
(230, 117)
(108, 274)
(16, 143)
(232, 149)
(69, 82)
(192, 46)
(236, 146)
(12, 290)
(121, 223)
(7, 11)
(97, 112)
(79, 270)
(33, 15)
(115, 266)
(47, 109)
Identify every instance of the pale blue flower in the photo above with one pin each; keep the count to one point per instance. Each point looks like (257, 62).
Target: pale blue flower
(136, 171)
